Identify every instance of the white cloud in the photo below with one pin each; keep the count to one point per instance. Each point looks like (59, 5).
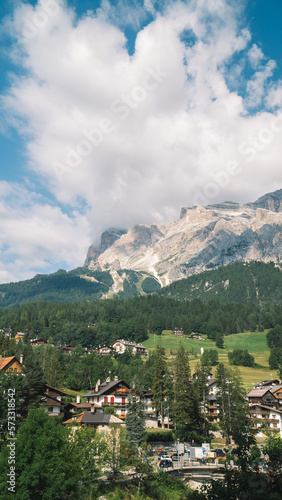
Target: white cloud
(256, 87)
(163, 122)
(37, 236)
(255, 55)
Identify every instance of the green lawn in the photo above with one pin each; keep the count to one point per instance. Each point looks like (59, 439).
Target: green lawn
(254, 342)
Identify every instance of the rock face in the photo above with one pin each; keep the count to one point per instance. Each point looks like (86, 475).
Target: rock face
(107, 239)
(203, 238)
(270, 201)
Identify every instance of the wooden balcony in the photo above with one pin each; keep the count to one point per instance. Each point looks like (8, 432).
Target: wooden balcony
(115, 404)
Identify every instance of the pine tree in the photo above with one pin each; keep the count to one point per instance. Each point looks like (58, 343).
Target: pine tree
(34, 381)
(159, 382)
(135, 417)
(186, 406)
(231, 401)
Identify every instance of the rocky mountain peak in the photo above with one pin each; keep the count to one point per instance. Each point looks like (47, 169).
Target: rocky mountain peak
(201, 239)
(108, 237)
(269, 201)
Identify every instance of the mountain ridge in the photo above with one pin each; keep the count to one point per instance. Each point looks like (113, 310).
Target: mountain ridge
(202, 238)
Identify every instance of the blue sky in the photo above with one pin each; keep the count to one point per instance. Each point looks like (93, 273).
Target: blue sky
(117, 113)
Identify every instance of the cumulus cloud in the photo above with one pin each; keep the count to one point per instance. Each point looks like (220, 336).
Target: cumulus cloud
(35, 236)
(125, 139)
(255, 55)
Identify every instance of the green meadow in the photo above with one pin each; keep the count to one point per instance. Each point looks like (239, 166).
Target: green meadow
(254, 342)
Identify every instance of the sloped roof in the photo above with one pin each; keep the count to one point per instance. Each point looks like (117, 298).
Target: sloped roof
(104, 387)
(76, 418)
(267, 382)
(275, 388)
(258, 393)
(5, 361)
(55, 390)
(116, 420)
(96, 418)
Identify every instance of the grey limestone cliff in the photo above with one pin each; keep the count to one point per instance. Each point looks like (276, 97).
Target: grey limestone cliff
(202, 238)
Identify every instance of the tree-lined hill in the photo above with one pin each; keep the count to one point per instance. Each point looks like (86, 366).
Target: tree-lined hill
(253, 282)
(78, 285)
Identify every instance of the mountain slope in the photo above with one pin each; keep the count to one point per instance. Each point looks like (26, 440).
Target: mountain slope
(253, 282)
(202, 238)
(78, 285)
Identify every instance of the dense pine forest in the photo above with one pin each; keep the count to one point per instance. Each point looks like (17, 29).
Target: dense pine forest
(103, 322)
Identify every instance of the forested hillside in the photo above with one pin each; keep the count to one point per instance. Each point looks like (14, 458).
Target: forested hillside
(100, 322)
(253, 282)
(78, 285)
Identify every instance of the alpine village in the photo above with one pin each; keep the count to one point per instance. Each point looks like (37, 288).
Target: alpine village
(153, 381)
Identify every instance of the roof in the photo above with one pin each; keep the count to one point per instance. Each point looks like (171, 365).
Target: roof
(6, 361)
(52, 400)
(275, 388)
(85, 405)
(96, 418)
(104, 387)
(116, 420)
(211, 381)
(257, 393)
(76, 418)
(56, 390)
(267, 382)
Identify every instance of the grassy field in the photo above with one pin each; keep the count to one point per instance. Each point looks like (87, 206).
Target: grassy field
(254, 342)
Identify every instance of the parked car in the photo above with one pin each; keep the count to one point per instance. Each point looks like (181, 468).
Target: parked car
(165, 463)
(175, 457)
(164, 457)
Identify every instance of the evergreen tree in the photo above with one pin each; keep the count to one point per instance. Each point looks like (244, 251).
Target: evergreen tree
(231, 401)
(46, 466)
(159, 381)
(34, 381)
(135, 416)
(186, 405)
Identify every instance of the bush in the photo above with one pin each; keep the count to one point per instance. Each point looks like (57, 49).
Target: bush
(240, 357)
(159, 436)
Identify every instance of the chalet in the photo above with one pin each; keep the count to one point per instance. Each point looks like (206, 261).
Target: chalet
(103, 423)
(78, 405)
(211, 407)
(276, 390)
(120, 346)
(177, 331)
(110, 393)
(52, 401)
(104, 350)
(67, 349)
(150, 410)
(10, 365)
(36, 342)
(264, 397)
(7, 332)
(267, 383)
(196, 336)
(19, 336)
(270, 417)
